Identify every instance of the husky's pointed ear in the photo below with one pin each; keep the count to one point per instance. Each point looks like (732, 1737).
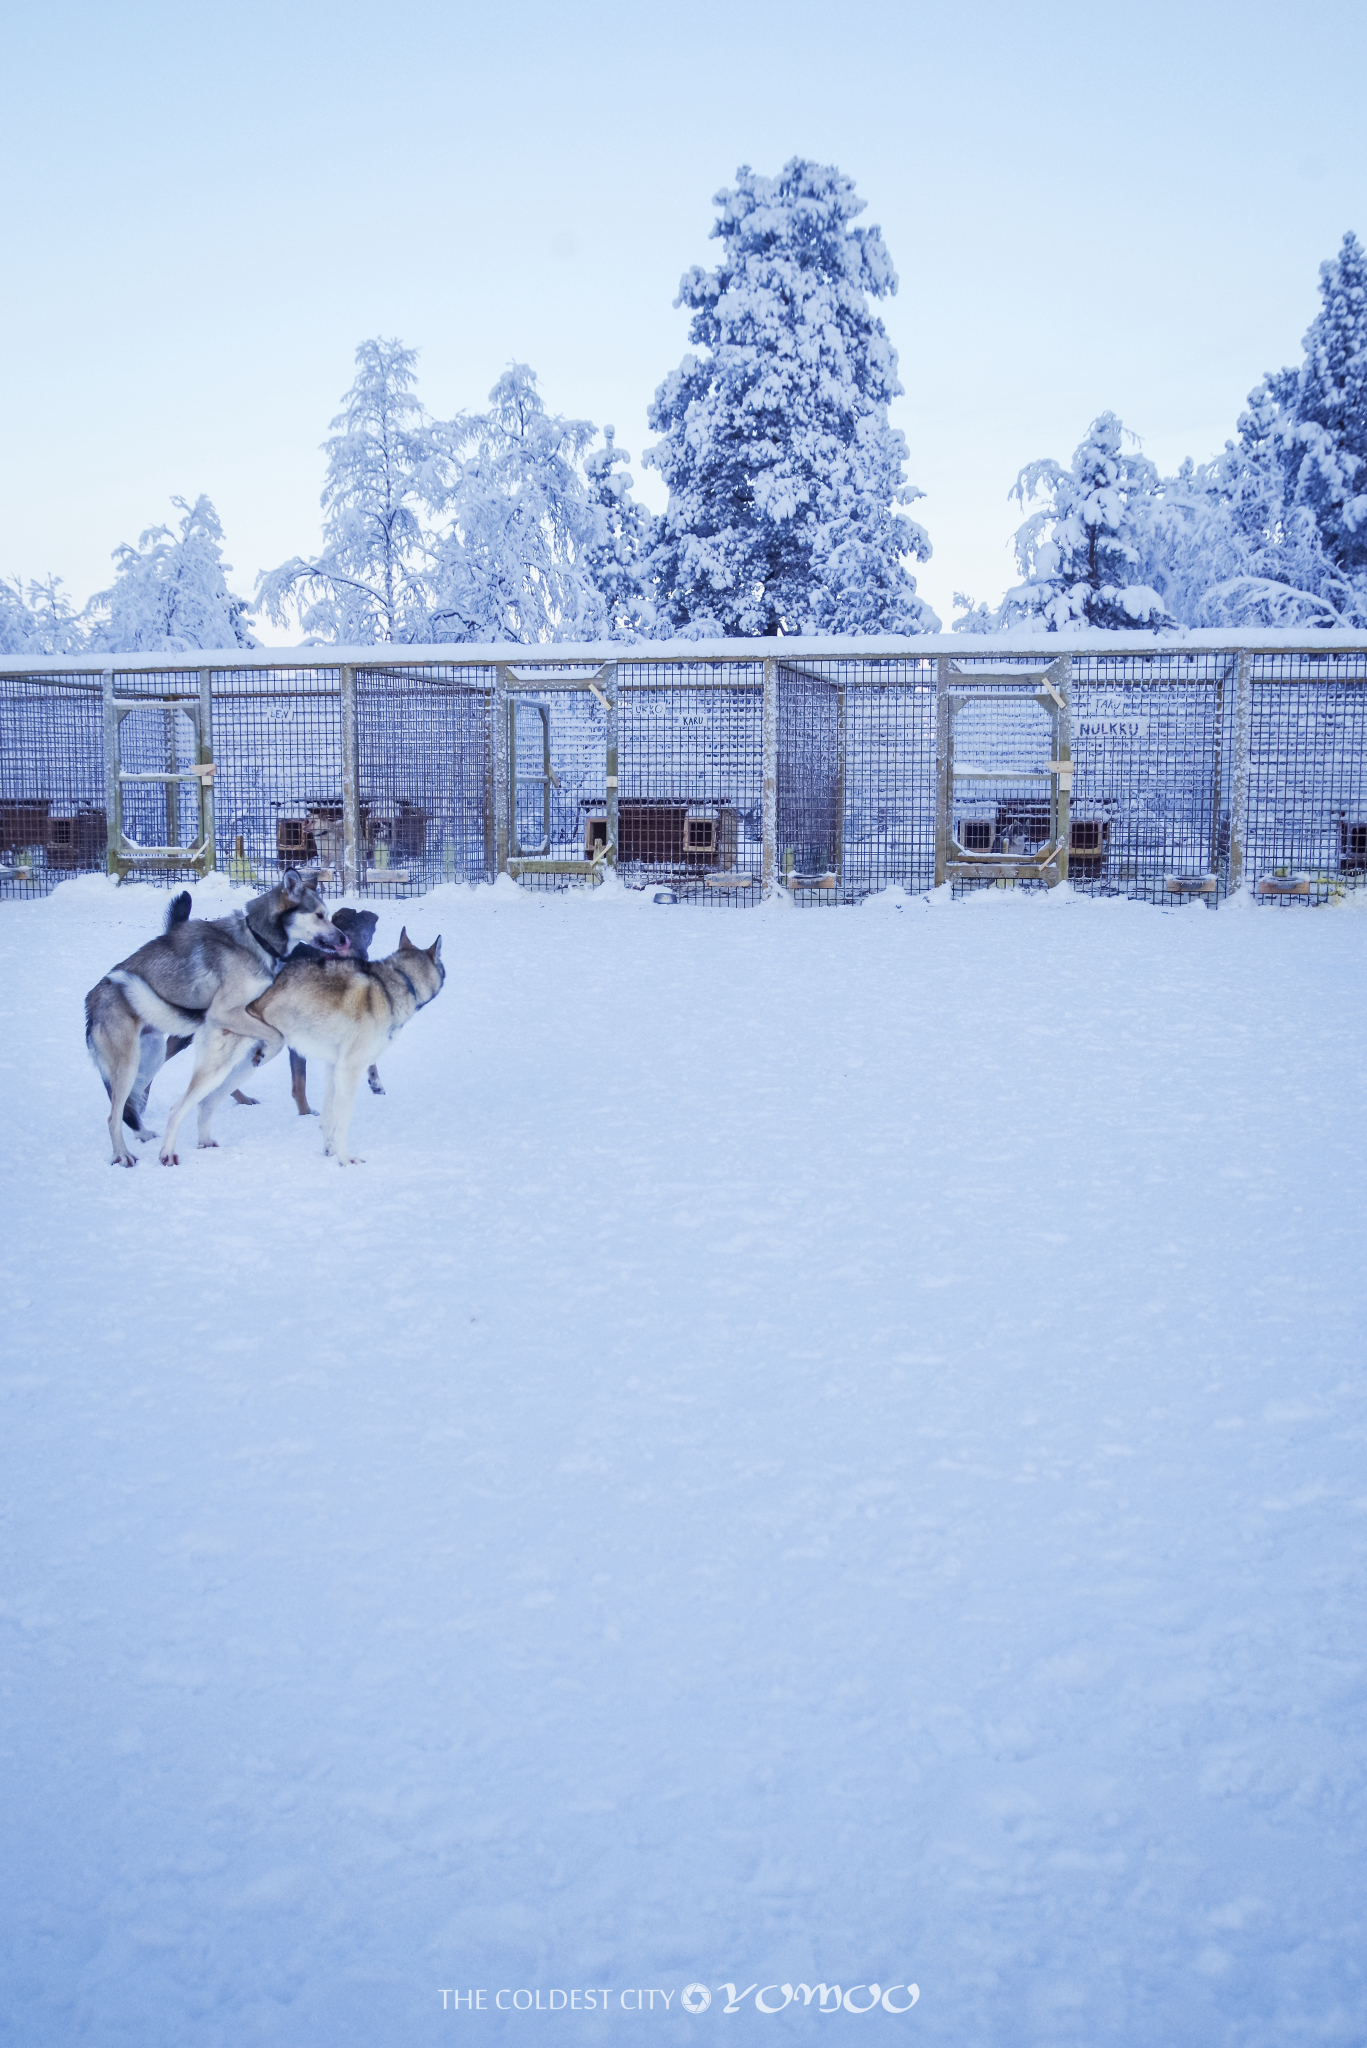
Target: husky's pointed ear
(405, 943)
(434, 951)
(292, 882)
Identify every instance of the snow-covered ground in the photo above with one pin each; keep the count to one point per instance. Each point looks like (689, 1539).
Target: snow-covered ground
(820, 1446)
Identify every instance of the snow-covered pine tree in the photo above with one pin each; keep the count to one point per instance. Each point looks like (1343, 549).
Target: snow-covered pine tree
(1273, 532)
(170, 592)
(1080, 556)
(784, 473)
(514, 561)
(1331, 414)
(619, 559)
(387, 461)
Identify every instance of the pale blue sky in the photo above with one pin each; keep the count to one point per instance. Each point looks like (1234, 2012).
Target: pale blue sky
(207, 208)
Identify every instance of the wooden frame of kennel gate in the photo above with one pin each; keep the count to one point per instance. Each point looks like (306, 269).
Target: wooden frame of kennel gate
(1047, 687)
(124, 856)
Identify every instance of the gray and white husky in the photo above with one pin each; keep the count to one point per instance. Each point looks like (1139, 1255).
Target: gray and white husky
(195, 980)
(344, 1012)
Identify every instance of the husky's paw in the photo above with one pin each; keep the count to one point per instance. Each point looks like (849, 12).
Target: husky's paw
(123, 1159)
(258, 1053)
(147, 1136)
(169, 1158)
(208, 1144)
(247, 1101)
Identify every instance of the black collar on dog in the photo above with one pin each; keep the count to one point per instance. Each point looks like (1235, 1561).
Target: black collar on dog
(263, 941)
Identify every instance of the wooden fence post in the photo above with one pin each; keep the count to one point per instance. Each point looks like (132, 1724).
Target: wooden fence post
(768, 854)
(503, 795)
(944, 793)
(353, 851)
(609, 680)
(208, 859)
(113, 797)
(1238, 793)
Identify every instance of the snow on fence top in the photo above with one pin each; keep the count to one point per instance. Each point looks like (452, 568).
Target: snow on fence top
(1156, 765)
(927, 646)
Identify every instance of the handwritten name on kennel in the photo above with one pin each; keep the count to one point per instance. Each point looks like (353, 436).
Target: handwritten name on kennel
(1108, 721)
(694, 1998)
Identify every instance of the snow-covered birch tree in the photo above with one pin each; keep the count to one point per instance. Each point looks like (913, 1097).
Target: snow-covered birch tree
(387, 462)
(513, 562)
(784, 473)
(170, 592)
(39, 620)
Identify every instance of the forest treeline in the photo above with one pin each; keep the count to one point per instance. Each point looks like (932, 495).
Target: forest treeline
(787, 490)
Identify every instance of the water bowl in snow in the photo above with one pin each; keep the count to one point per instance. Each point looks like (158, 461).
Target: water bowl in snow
(664, 896)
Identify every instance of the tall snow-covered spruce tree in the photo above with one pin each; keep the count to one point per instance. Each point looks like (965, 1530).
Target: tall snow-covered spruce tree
(784, 473)
(1331, 413)
(1081, 555)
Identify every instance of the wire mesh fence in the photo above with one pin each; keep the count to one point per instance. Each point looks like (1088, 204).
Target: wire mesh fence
(810, 711)
(277, 737)
(690, 799)
(52, 788)
(1153, 759)
(1180, 772)
(422, 780)
(1307, 776)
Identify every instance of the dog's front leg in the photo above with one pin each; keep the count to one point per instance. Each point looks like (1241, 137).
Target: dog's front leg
(299, 1082)
(207, 1140)
(217, 1053)
(343, 1081)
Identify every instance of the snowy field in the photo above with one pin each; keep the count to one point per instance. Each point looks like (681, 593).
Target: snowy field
(819, 1446)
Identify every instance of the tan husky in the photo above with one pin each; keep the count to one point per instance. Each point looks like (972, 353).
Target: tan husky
(344, 1012)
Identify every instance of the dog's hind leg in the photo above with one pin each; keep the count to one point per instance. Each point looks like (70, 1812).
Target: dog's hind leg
(374, 1079)
(113, 1033)
(151, 1059)
(120, 1078)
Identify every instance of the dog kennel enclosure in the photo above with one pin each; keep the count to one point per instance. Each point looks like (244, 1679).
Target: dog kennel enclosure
(1164, 768)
